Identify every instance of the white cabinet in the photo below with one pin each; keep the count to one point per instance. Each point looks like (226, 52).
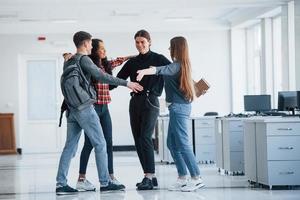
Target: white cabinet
(233, 145)
(163, 151)
(204, 139)
(250, 150)
(219, 143)
(278, 152)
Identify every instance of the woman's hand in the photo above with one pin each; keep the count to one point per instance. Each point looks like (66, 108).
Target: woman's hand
(125, 58)
(141, 74)
(67, 56)
(131, 56)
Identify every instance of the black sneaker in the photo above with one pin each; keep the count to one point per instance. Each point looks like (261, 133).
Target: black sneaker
(154, 182)
(65, 190)
(116, 182)
(112, 187)
(146, 184)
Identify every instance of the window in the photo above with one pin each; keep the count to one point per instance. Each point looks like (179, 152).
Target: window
(42, 90)
(277, 57)
(253, 43)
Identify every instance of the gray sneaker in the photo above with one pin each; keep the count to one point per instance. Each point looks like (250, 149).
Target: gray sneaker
(193, 185)
(85, 185)
(177, 186)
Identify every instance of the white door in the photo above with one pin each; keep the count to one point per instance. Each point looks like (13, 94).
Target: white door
(39, 103)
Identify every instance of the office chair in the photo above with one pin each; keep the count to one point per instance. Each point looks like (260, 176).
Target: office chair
(211, 114)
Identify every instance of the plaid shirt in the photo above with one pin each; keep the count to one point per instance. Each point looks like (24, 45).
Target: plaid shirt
(103, 96)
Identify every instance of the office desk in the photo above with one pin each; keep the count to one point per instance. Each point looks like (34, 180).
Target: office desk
(272, 150)
(162, 127)
(201, 132)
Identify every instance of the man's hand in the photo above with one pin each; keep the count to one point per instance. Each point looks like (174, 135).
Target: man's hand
(135, 87)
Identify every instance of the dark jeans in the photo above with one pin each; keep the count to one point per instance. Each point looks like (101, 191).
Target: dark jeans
(105, 121)
(144, 110)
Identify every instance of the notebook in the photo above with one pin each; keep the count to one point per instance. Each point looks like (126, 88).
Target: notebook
(201, 87)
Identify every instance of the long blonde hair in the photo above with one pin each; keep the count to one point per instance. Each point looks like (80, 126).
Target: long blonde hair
(180, 53)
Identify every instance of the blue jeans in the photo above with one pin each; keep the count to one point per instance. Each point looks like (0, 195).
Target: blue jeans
(178, 140)
(88, 120)
(105, 121)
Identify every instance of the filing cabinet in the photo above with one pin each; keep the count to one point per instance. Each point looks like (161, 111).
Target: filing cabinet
(204, 139)
(233, 145)
(250, 150)
(278, 152)
(219, 143)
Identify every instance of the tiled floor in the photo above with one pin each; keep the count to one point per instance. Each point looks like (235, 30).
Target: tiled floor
(33, 177)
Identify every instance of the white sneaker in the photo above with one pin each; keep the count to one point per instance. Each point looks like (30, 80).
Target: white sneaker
(85, 185)
(193, 185)
(178, 185)
(115, 181)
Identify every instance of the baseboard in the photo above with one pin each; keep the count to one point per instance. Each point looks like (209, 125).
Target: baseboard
(124, 148)
(115, 148)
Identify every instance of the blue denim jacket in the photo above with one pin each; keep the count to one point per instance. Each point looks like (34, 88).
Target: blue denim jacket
(171, 74)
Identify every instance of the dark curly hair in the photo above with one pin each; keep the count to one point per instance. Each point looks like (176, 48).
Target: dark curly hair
(96, 59)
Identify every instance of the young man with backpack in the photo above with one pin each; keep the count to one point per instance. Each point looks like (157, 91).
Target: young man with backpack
(80, 96)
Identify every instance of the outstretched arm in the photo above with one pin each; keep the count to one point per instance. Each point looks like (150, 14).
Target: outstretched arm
(123, 74)
(119, 61)
(141, 73)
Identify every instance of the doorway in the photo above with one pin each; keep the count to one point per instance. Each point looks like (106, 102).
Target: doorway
(39, 104)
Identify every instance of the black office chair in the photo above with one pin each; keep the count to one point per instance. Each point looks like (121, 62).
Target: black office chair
(211, 114)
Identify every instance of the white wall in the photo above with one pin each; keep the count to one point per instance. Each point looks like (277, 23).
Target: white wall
(209, 53)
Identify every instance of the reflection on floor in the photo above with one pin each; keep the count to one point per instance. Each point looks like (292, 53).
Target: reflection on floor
(33, 177)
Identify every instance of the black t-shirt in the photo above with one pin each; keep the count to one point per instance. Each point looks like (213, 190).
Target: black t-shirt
(152, 83)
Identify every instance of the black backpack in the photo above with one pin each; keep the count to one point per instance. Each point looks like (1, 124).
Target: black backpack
(75, 88)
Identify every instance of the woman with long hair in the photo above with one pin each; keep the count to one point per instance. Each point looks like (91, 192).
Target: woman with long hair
(179, 95)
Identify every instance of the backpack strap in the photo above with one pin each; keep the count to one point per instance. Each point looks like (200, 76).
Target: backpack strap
(79, 65)
(63, 108)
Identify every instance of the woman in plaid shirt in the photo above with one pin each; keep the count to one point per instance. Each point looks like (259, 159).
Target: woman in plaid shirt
(98, 56)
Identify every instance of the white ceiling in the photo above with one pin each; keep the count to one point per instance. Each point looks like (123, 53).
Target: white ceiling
(61, 16)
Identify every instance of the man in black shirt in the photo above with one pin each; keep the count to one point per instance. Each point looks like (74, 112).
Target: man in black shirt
(144, 106)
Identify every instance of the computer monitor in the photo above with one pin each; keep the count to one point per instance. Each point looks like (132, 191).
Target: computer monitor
(257, 103)
(289, 101)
